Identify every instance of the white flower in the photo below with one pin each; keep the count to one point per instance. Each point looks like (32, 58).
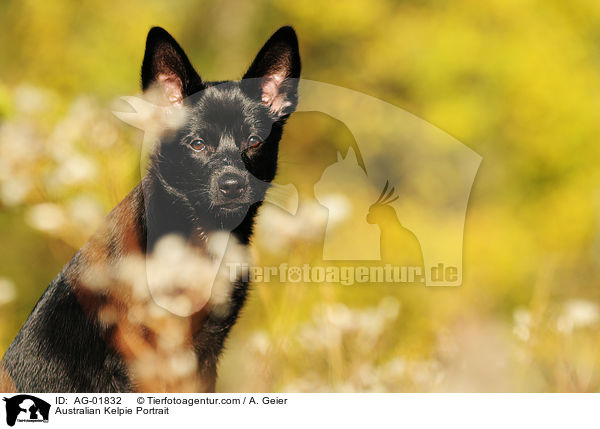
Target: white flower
(339, 207)
(30, 99)
(260, 342)
(8, 292)
(46, 217)
(578, 313)
(278, 229)
(389, 308)
(522, 318)
(14, 191)
(86, 211)
(75, 169)
(183, 364)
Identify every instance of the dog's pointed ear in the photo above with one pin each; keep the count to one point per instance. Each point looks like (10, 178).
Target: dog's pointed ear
(166, 67)
(277, 68)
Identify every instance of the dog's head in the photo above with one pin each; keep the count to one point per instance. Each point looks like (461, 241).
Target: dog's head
(224, 154)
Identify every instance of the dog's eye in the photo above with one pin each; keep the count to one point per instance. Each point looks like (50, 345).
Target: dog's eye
(254, 141)
(198, 145)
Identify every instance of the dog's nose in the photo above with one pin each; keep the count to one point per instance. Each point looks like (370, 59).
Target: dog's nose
(231, 186)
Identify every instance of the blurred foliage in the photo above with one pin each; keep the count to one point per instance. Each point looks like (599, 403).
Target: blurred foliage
(517, 81)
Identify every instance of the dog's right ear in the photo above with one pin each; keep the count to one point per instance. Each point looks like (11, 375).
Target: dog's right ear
(166, 67)
(277, 67)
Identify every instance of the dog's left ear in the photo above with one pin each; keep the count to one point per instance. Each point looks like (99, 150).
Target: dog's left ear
(277, 65)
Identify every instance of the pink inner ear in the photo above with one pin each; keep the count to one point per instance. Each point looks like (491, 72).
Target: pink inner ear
(172, 88)
(271, 95)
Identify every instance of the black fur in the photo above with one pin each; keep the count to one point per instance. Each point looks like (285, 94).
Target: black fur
(210, 174)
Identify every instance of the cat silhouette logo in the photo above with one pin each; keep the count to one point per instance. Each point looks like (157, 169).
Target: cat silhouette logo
(26, 408)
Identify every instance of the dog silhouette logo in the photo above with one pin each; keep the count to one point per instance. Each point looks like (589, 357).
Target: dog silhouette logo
(26, 408)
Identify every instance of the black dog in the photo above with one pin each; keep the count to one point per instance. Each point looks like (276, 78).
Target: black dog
(209, 174)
